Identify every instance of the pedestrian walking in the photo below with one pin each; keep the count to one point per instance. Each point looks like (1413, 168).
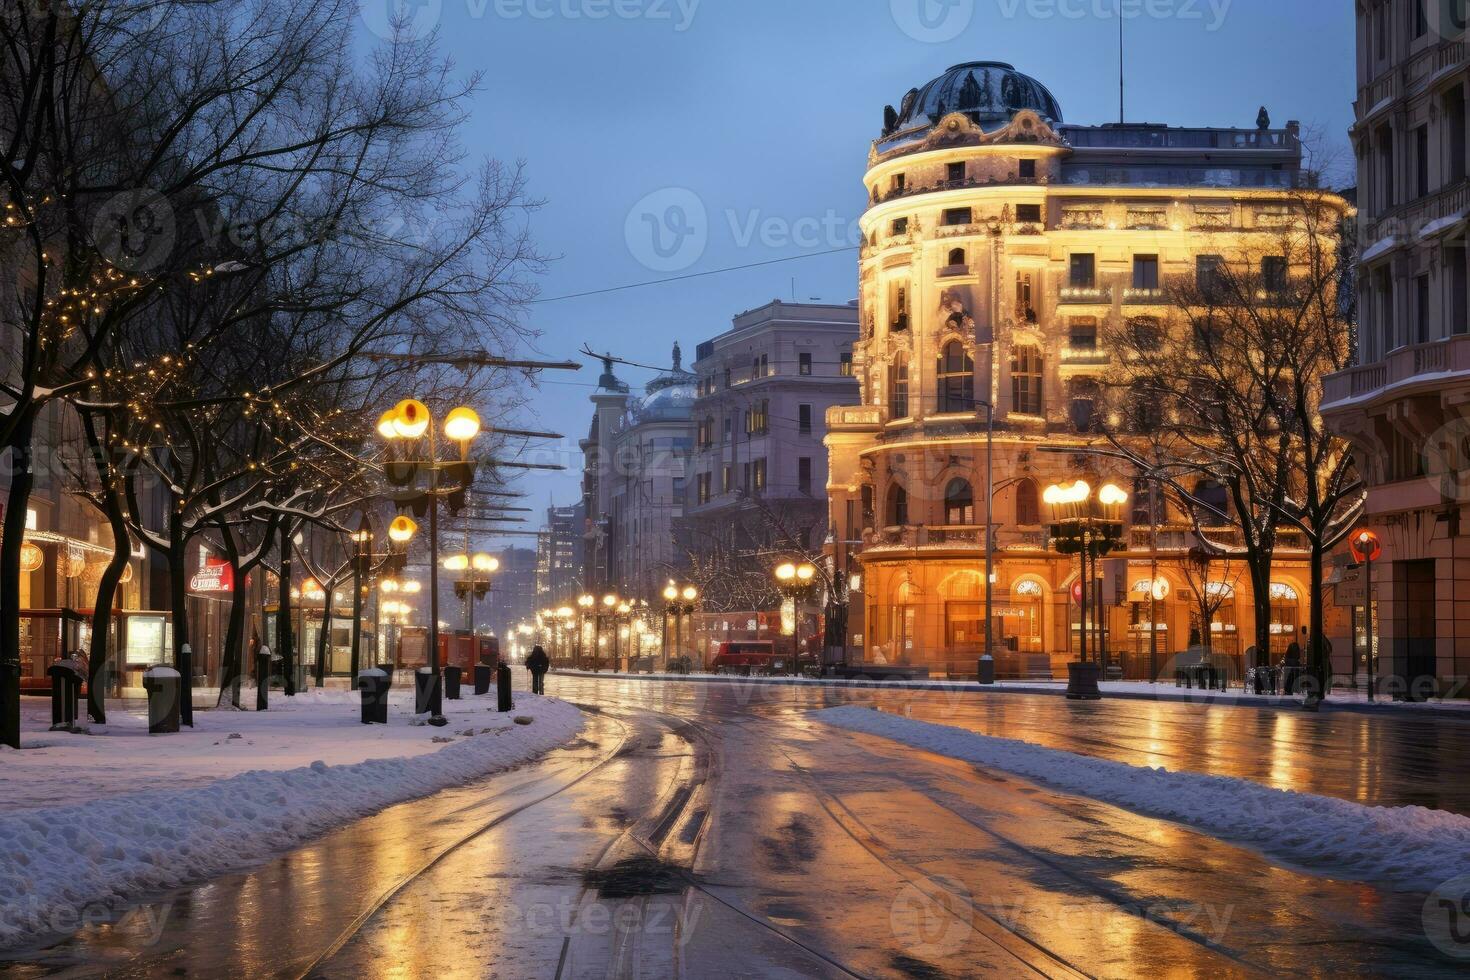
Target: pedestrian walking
(538, 663)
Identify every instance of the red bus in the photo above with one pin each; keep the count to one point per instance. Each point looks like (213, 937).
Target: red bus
(750, 657)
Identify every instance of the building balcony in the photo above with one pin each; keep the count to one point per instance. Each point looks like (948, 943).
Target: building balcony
(969, 183)
(1085, 357)
(1135, 296)
(1416, 220)
(1406, 370)
(932, 539)
(1085, 295)
(856, 418)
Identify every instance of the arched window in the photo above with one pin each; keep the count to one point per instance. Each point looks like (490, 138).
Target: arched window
(1028, 509)
(956, 377)
(959, 502)
(898, 388)
(1026, 369)
(956, 257)
(896, 513)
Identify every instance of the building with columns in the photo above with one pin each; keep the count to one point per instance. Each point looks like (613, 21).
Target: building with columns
(1405, 404)
(1001, 248)
(634, 460)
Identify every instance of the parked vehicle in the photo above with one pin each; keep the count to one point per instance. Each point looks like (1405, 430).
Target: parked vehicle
(750, 658)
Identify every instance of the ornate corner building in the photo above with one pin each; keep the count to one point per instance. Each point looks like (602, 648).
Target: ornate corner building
(1000, 247)
(1404, 402)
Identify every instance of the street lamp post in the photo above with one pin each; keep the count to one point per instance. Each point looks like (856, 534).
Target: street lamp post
(410, 420)
(678, 602)
(362, 543)
(795, 580)
(1090, 527)
(1366, 548)
(609, 603)
(584, 603)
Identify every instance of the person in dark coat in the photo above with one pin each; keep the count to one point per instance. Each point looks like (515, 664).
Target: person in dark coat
(538, 663)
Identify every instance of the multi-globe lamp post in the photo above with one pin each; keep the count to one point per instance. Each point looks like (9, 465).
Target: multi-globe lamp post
(473, 583)
(411, 424)
(586, 605)
(795, 579)
(678, 602)
(1090, 526)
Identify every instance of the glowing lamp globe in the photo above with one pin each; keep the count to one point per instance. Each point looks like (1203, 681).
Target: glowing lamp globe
(411, 418)
(402, 529)
(462, 425)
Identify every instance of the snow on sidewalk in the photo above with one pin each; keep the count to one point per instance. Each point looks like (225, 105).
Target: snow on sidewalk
(93, 821)
(1411, 848)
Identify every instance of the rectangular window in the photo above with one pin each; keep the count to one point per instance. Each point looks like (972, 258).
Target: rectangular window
(1273, 273)
(1421, 18)
(745, 477)
(1145, 272)
(897, 183)
(955, 173)
(804, 419)
(1422, 311)
(844, 364)
(804, 363)
(758, 475)
(1386, 190)
(900, 226)
(1028, 169)
(1028, 214)
(1455, 303)
(727, 479)
(957, 216)
(1421, 161)
(1083, 334)
(702, 484)
(804, 476)
(1083, 271)
(1209, 276)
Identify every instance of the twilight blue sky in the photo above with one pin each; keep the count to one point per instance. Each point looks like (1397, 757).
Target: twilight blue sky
(765, 110)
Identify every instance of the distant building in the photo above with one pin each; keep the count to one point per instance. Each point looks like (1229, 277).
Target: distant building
(559, 557)
(1402, 404)
(758, 480)
(634, 461)
(512, 597)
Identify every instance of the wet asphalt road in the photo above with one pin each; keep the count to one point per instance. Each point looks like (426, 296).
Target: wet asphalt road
(711, 830)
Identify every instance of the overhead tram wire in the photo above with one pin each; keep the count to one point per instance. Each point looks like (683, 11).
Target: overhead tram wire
(695, 275)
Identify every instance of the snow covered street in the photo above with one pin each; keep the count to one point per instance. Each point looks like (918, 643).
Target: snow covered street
(97, 820)
(714, 830)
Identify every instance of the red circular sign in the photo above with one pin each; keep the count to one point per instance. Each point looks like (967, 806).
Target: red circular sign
(1365, 545)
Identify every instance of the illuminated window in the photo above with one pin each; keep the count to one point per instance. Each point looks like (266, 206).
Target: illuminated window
(898, 387)
(1026, 371)
(956, 377)
(959, 502)
(897, 511)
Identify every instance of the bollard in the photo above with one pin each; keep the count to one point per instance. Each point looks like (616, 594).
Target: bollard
(423, 681)
(163, 685)
(374, 683)
(65, 687)
(503, 699)
(986, 670)
(483, 674)
(263, 679)
(453, 675)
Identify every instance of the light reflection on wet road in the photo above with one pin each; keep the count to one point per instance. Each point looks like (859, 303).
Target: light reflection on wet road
(713, 830)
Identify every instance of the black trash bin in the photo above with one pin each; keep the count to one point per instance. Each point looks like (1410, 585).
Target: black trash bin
(986, 669)
(163, 685)
(423, 681)
(66, 688)
(374, 684)
(502, 688)
(263, 680)
(484, 673)
(452, 677)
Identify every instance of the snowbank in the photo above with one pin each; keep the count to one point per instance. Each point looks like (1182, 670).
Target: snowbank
(63, 860)
(1411, 848)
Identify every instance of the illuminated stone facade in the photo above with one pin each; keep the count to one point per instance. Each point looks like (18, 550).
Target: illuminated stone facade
(1000, 247)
